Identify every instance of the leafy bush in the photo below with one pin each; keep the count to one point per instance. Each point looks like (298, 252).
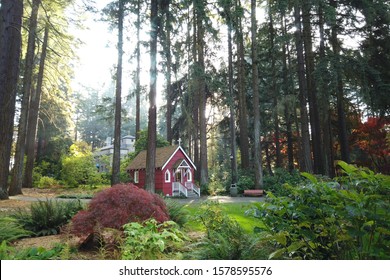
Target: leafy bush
(79, 168)
(245, 180)
(151, 240)
(10, 253)
(328, 220)
(224, 240)
(47, 217)
(42, 169)
(216, 187)
(119, 205)
(275, 183)
(177, 211)
(11, 230)
(47, 182)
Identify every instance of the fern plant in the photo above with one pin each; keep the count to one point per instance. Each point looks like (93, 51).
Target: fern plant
(11, 230)
(48, 216)
(317, 220)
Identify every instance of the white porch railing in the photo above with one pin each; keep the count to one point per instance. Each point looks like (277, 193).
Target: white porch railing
(178, 189)
(192, 187)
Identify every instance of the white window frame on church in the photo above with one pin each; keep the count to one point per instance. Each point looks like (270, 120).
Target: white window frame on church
(167, 176)
(136, 176)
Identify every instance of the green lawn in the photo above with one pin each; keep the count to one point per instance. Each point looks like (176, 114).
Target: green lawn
(235, 211)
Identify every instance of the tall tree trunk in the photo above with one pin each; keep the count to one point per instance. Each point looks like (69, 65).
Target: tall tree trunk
(287, 91)
(287, 112)
(152, 122)
(290, 146)
(278, 160)
(194, 96)
(341, 120)
(168, 55)
(233, 146)
(268, 158)
(305, 135)
(116, 161)
(256, 101)
(33, 116)
(17, 176)
(11, 12)
(327, 137)
(312, 91)
(138, 75)
(243, 111)
(202, 94)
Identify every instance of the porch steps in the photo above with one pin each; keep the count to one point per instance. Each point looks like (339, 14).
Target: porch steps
(190, 194)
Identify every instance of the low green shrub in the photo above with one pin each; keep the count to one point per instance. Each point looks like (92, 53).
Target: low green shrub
(47, 182)
(10, 253)
(151, 240)
(216, 188)
(225, 239)
(348, 219)
(245, 180)
(47, 217)
(276, 183)
(11, 230)
(177, 211)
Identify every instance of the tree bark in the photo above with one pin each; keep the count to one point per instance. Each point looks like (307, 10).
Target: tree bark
(341, 120)
(168, 55)
(305, 135)
(278, 159)
(138, 75)
(232, 121)
(11, 12)
(316, 130)
(287, 112)
(17, 176)
(243, 111)
(327, 136)
(194, 96)
(118, 101)
(256, 101)
(202, 95)
(152, 122)
(33, 116)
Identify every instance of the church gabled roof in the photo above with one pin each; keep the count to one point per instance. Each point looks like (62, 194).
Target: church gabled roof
(163, 156)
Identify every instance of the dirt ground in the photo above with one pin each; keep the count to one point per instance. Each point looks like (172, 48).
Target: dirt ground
(15, 203)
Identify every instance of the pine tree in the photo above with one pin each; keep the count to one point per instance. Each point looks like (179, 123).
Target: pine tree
(11, 12)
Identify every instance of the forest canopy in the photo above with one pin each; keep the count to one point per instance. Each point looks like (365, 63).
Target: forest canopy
(250, 87)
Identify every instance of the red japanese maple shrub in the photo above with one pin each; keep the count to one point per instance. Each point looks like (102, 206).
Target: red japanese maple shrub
(116, 206)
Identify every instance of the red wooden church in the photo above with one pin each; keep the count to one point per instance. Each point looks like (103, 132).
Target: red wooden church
(174, 172)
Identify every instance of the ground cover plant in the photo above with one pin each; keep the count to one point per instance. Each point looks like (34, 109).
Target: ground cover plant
(46, 217)
(344, 219)
(151, 240)
(224, 236)
(8, 252)
(11, 230)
